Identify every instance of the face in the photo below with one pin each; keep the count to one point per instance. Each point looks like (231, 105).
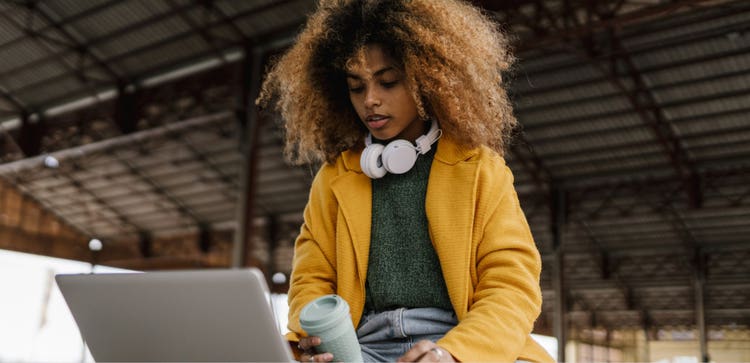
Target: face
(380, 95)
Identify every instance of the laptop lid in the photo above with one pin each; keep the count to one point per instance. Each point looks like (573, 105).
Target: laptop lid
(169, 316)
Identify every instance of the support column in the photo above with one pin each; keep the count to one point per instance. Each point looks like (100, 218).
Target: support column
(700, 313)
(247, 118)
(559, 325)
(647, 327)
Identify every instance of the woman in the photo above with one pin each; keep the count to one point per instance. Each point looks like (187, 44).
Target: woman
(413, 218)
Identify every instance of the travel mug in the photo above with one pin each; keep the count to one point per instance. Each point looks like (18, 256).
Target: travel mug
(328, 317)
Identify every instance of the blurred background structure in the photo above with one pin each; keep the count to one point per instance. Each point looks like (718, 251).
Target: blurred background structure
(132, 122)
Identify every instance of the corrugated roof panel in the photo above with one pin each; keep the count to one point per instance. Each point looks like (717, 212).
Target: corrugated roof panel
(545, 60)
(612, 140)
(534, 96)
(719, 222)
(615, 153)
(697, 26)
(571, 129)
(692, 50)
(713, 106)
(740, 148)
(139, 38)
(735, 137)
(68, 8)
(596, 106)
(20, 53)
(118, 16)
(553, 79)
(697, 126)
(203, 15)
(224, 34)
(655, 227)
(46, 70)
(591, 111)
(646, 165)
(8, 32)
(149, 221)
(706, 88)
(166, 55)
(596, 215)
(60, 87)
(623, 222)
(230, 7)
(738, 63)
(276, 17)
(136, 211)
(190, 174)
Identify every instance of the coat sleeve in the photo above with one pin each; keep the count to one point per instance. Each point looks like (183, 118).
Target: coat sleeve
(506, 297)
(313, 266)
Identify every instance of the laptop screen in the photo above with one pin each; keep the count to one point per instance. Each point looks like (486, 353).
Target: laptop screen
(170, 316)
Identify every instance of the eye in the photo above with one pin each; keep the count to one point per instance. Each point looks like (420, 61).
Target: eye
(390, 84)
(356, 89)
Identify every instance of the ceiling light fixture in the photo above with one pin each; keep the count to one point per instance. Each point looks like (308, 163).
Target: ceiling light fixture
(95, 244)
(51, 162)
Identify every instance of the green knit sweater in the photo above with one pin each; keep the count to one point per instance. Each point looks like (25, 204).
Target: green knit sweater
(403, 269)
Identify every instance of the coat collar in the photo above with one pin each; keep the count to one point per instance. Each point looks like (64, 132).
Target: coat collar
(450, 227)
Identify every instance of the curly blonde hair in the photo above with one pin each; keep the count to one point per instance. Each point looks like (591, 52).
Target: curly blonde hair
(453, 56)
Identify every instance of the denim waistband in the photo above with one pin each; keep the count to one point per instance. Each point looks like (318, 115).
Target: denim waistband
(403, 323)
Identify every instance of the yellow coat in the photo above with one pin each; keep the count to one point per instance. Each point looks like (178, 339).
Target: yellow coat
(488, 257)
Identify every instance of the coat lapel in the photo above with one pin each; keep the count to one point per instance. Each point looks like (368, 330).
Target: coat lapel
(353, 191)
(450, 212)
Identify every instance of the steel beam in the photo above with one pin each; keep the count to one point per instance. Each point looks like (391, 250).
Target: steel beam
(660, 45)
(248, 120)
(113, 143)
(18, 106)
(92, 42)
(30, 135)
(210, 5)
(81, 15)
(126, 110)
(646, 13)
(699, 280)
(81, 49)
(532, 163)
(203, 32)
(559, 324)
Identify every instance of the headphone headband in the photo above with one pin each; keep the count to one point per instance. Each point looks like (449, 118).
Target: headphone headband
(424, 142)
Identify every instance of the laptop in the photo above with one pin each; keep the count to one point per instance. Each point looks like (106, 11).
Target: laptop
(171, 316)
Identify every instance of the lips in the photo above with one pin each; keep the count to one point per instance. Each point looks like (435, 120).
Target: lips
(376, 121)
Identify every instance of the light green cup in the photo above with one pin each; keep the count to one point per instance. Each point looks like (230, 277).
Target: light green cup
(328, 317)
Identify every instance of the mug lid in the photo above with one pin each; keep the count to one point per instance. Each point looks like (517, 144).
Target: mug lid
(324, 313)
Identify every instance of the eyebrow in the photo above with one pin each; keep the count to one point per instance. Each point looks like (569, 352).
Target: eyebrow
(377, 73)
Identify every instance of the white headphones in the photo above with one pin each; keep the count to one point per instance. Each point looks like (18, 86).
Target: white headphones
(399, 156)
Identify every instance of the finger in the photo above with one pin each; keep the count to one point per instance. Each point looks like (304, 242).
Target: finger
(436, 354)
(418, 352)
(325, 357)
(307, 343)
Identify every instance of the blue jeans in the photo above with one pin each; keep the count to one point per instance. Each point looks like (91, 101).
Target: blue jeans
(386, 336)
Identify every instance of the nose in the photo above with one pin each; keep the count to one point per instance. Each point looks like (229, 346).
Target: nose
(372, 97)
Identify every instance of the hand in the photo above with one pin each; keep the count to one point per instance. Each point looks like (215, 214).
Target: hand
(426, 351)
(307, 347)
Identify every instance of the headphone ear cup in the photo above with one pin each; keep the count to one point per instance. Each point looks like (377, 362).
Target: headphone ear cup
(371, 161)
(399, 156)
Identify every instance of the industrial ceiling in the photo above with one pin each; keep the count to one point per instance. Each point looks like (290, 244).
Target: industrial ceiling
(632, 163)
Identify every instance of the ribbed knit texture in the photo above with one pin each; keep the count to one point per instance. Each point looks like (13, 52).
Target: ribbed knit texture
(403, 270)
